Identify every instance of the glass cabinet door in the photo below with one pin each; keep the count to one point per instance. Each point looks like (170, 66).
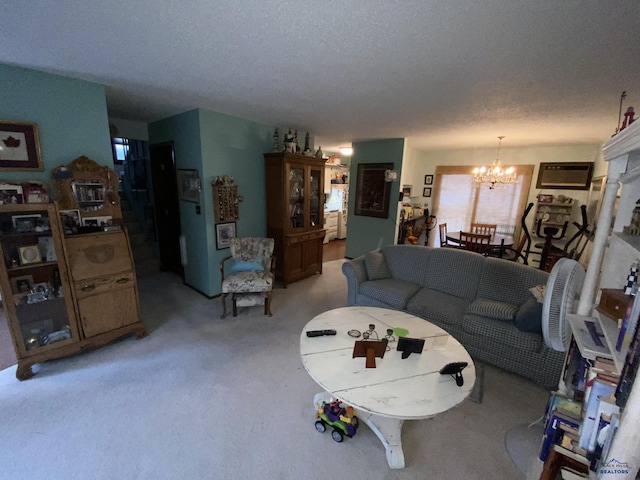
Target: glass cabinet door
(315, 204)
(296, 197)
(33, 294)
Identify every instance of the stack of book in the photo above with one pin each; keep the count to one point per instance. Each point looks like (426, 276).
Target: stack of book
(583, 421)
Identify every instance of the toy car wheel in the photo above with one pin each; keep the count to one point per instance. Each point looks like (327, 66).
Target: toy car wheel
(337, 436)
(320, 426)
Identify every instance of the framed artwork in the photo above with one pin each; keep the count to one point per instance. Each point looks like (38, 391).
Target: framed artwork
(29, 254)
(372, 191)
(70, 219)
(20, 147)
(22, 284)
(189, 185)
(224, 233)
(25, 223)
(96, 221)
(406, 191)
(594, 200)
(426, 192)
(428, 179)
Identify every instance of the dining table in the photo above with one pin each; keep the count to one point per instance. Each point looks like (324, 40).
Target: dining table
(495, 241)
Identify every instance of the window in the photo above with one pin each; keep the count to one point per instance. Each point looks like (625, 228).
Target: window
(458, 202)
(120, 149)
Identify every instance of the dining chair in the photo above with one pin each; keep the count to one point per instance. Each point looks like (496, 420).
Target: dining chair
(475, 242)
(484, 228)
(444, 242)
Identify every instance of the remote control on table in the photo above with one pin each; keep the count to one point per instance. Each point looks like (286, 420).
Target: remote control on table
(320, 333)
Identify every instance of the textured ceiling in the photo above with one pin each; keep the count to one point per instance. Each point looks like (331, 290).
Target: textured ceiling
(444, 74)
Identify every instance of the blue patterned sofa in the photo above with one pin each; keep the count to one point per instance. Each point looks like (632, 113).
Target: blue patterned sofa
(484, 302)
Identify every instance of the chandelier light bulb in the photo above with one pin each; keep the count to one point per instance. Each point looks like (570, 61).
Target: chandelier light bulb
(494, 174)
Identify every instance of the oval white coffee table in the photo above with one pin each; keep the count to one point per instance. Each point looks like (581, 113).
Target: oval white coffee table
(397, 389)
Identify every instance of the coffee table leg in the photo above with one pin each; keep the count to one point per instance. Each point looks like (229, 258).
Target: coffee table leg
(389, 431)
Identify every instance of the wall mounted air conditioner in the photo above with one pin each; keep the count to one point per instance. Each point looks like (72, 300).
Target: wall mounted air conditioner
(565, 175)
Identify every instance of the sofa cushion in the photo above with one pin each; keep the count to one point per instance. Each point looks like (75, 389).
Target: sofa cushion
(454, 271)
(529, 316)
(507, 281)
(493, 309)
(437, 307)
(408, 262)
(395, 293)
(498, 332)
(376, 266)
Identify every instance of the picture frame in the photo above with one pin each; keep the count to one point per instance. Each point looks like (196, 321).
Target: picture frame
(428, 179)
(373, 192)
(189, 185)
(11, 194)
(25, 223)
(21, 147)
(21, 284)
(406, 191)
(29, 254)
(97, 221)
(71, 220)
(426, 192)
(224, 233)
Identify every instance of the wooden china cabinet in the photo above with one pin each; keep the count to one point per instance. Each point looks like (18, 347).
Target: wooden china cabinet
(68, 288)
(295, 207)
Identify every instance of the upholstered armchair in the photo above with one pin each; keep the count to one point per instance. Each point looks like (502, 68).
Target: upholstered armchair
(247, 274)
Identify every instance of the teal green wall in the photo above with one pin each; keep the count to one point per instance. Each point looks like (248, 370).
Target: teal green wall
(367, 233)
(184, 131)
(216, 144)
(71, 116)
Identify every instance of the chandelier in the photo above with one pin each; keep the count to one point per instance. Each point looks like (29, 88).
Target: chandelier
(495, 174)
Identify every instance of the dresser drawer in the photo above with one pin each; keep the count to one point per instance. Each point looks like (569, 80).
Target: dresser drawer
(97, 255)
(100, 285)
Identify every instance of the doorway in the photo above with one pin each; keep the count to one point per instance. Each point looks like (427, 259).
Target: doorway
(167, 206)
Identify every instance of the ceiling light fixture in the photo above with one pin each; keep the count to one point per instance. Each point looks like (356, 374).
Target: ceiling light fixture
(494, 174)
(346, 151)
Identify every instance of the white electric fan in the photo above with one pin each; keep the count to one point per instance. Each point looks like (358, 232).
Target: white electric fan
(561, 299)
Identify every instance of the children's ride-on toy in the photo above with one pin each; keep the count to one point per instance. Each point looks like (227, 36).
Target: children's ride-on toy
(342, 419)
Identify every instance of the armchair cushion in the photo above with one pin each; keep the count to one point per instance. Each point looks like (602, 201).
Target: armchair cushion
(238, 265)
(245, 282)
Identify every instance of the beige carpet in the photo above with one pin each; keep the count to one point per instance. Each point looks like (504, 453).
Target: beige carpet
(207, 398)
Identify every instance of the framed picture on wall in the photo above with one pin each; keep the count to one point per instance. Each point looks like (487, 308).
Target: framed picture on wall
(373, 192)
(428, 179)
(189, 185)
(426, 192)
(20, 147)
(224, 233)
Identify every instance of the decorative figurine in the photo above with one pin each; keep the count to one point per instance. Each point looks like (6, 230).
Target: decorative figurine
(276, 142)
(296, 147)
(289, 145)
(628, 118)
(319, 153)
(634, 226)
(632, 279)
(307, 150)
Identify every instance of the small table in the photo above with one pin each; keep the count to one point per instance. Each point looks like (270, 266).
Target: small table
(495, 241)
(396, 390)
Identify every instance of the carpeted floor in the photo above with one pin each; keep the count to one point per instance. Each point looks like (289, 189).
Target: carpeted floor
(201, 397)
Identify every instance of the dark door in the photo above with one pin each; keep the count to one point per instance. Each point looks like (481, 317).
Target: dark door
(165, 193)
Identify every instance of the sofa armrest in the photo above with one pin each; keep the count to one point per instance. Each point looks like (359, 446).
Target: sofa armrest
(356, 273)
